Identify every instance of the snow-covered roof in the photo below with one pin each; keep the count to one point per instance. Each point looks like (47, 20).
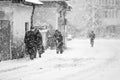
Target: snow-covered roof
(53, 0)
(34, 1)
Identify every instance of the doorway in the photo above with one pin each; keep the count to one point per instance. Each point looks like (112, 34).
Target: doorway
(5, 39)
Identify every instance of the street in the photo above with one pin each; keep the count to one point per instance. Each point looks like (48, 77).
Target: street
(78, 62)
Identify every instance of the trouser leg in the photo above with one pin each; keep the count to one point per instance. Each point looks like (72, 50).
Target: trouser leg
(61, 50)
(26, 49)
(34, 55)
(92, 42)
(61, 47)
(39, 52)
(31, 55)
(35, 52)
(57, 50)
(32, 52)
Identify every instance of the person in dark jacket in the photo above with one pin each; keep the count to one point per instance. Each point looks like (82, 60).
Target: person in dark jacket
(92, 37)
(29, 41)
(59, 41)
(39, 42)
(50, 39)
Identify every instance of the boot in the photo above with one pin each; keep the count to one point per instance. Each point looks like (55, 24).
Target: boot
(61, 51)
(31, 57)
(57, 52)
(39, 55)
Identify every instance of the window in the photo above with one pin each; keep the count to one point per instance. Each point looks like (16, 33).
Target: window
(26, 26)
(110, 13)
(105, 14)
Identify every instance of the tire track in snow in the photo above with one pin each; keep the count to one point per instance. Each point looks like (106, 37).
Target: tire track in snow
(93, 70)
(12, 69)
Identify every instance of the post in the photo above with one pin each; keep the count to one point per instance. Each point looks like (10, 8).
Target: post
(32, 15)
(11, 36)
(62, 20)
(64, 32)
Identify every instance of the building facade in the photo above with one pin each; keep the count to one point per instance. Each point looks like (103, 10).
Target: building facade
(15, 20)
(105, 16)
(52, 14)
(13, 17)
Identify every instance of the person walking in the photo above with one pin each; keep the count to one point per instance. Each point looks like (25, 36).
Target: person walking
(39, 42)
(92, 38)
(29, 41)
(59, 42)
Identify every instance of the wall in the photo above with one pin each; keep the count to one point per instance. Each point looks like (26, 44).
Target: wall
(18, 14)
(46, 15)
(5, 18)
(21, 15)
(5, 10)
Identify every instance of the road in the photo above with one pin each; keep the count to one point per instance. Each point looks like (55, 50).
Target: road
(78, 62)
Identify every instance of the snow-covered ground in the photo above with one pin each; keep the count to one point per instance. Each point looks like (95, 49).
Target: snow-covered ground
(78, 62)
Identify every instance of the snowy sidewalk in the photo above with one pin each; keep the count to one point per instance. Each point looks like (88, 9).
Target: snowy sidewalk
(78, 62)
(49, 56)
(12, 65)
(77, 50)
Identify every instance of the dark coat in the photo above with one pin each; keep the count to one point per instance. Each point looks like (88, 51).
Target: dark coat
(39, 41)
(38, 38)
(92, 36)
(59, 39)
(29, 41)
